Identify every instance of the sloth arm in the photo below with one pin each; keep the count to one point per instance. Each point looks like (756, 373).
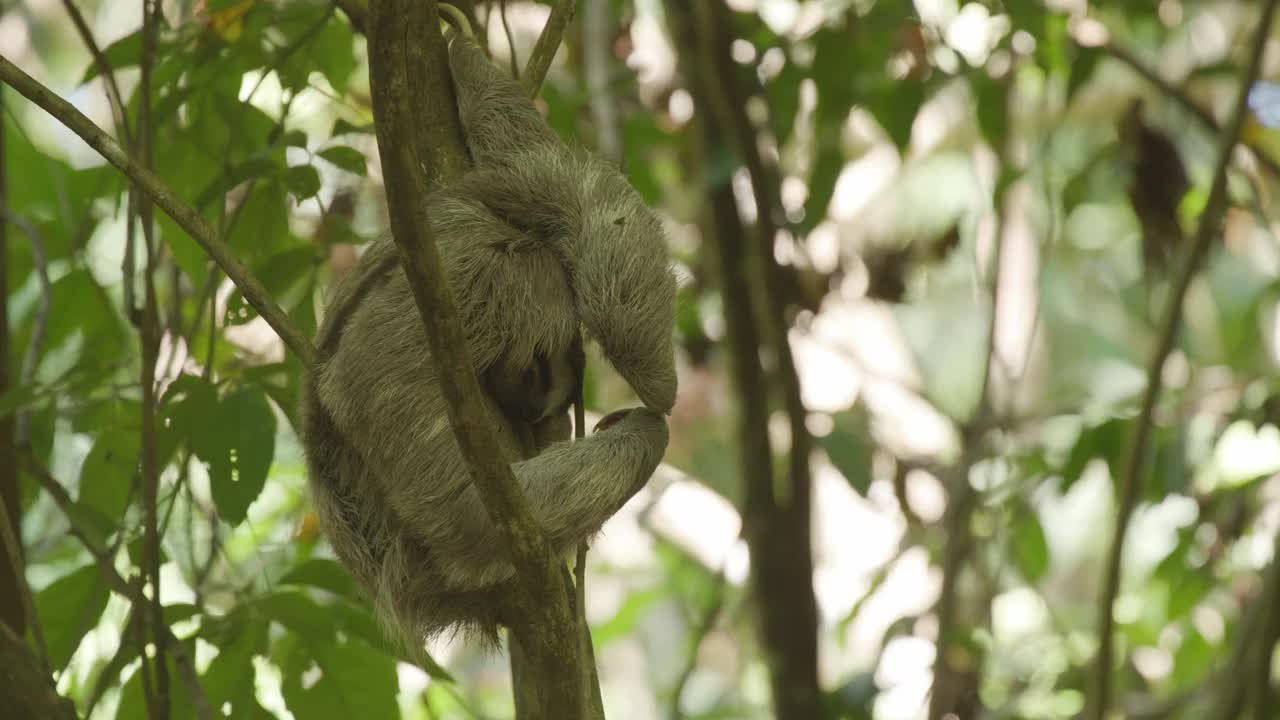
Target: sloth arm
(498, 119)
(572, 488)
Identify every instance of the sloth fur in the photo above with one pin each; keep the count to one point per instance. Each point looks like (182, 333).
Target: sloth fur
(541, 244)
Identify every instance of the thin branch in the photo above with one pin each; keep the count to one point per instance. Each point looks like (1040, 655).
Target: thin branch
(106, 566)
(13, 555)
(707, 623)
(511, 40)
(947, 692)
(181, 213)
(405, 42)
(1210, 225)
(149, 338)
(1174, 93)
(118, 108)
(544, 51)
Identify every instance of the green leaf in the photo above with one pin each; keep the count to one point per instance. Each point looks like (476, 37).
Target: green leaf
(347, 158)
(993, 107)
(68, 608)
(1030, 548)
(895, 108)
(229, 678)
(1082, 68)
(133, 705)
(324, 574)
(298, 614)
(849, 449)
(108, 473)
(342, 127)
(238, 444)
(1106, 441)
(341, 680)
(303, 181)
(123, 53)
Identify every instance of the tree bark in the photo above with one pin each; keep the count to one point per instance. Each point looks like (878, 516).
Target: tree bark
(24, 691)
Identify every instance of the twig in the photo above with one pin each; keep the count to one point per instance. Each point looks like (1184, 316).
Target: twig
(149, 338)
(707, 623)
(963, 500)
(115, 98)
(511, 40)
(1174, 93)
(544, 51)
(181, 658)
(405, 42)
(13, 555)
(181, 213)
(1210, 223)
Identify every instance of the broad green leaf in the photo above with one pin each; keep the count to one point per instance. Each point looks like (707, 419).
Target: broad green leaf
(238, 444)
(993, 108)
(347, 158)
(1030, 548)
(303, 181)
(324, 574)
(342, 680)
(123, 53)
(108, 474)
(229, 678)
(68, 608)
(849, 446)
(299, 614)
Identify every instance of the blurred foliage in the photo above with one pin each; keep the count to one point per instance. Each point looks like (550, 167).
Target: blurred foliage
(915, 145)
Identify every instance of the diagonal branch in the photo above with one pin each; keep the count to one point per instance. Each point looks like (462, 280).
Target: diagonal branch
(544, 51)
(181, 213)
(1210, 226)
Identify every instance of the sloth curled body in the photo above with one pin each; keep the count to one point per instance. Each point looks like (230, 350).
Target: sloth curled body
(541, 244)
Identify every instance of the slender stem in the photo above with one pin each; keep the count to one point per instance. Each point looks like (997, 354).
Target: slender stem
(1131, 484)
(544, 51)
(13, 556)
(118, 109)
(511, 40)
(181, 213)
(149, 336)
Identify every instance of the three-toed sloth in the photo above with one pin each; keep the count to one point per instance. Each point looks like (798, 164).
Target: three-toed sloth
(541, 245)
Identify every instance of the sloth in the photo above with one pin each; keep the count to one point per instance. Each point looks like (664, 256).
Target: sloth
(545, 247)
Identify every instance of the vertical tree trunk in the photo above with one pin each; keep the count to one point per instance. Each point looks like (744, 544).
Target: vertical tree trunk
(776, 517)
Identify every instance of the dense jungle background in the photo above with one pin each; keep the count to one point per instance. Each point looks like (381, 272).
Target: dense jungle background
(980, 298)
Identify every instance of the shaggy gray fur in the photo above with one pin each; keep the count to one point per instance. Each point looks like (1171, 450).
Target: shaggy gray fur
(540, 243)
